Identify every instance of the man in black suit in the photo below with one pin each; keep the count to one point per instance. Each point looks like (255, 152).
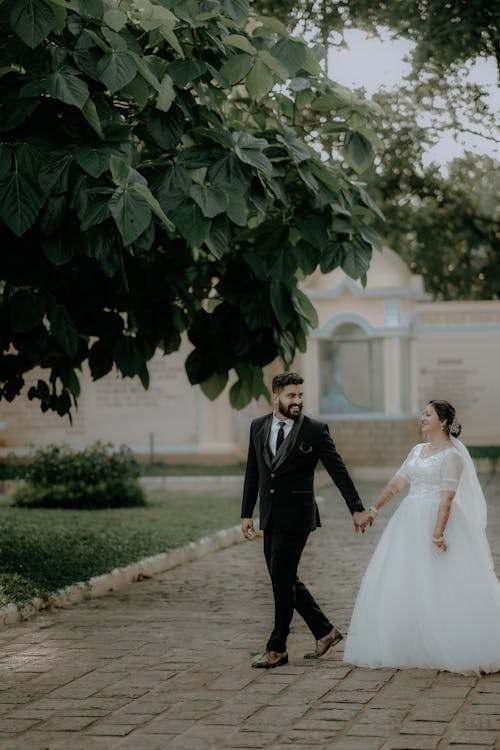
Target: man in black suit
(284, 448)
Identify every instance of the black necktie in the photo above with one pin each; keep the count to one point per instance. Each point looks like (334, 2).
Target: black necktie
(281, 435)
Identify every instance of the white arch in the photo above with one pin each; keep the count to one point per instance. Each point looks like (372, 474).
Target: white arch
(328, 328)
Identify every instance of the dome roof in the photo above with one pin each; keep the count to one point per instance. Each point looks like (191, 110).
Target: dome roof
(387, 270)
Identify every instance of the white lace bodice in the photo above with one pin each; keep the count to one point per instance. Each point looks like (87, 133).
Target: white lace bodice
(432, 475)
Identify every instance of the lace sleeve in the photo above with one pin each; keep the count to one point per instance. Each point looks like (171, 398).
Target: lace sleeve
(451, 470)
(403, 469)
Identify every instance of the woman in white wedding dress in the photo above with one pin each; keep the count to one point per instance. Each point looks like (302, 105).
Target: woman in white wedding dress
(430, 597)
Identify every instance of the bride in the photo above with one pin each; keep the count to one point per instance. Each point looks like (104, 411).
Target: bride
(430, 597)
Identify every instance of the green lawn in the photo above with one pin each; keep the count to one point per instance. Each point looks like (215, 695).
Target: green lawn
(43, 550)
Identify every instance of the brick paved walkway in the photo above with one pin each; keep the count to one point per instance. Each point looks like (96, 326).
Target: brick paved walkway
(165, 664)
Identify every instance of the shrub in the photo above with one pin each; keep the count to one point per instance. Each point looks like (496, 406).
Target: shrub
(12, 468)
(96, 477)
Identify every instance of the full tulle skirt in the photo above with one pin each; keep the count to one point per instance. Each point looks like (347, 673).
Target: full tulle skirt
(420, 607)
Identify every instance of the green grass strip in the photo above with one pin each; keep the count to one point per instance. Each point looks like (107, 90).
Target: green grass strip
(43, 550)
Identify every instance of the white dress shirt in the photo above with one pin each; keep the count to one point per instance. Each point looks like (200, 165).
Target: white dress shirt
(274, 431)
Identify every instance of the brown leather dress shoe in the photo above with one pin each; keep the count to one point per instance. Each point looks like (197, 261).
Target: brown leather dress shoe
(324, 644)
(270, 659)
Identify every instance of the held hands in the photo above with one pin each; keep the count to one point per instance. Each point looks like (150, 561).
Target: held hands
(361, 520)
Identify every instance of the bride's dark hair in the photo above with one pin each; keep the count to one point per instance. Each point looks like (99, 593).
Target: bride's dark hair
(446, 411)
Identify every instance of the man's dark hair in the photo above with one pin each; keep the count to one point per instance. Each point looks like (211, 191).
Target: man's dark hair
(284, 379)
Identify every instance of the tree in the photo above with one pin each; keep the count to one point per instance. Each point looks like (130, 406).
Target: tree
(446, 225)
(446, 34)
(158, 176)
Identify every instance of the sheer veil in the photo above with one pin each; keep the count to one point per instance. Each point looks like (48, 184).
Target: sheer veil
(470, 498)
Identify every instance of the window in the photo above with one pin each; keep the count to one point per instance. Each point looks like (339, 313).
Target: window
(351, 372)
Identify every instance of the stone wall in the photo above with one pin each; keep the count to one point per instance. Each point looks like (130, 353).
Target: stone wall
(377, 443)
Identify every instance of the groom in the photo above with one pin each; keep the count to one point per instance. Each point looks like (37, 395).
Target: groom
(283, 452)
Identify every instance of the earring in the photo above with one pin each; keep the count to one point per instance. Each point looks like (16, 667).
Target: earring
(442, 426)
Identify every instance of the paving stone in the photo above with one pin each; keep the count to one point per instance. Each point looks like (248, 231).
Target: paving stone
(412, 742)
(10, 726)
(66, 723)
(437, 710)
(165, 665)
(357, 743)
(424, 727)
(473, 738)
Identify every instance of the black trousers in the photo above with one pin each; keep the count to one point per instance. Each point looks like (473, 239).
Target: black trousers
(282, 550)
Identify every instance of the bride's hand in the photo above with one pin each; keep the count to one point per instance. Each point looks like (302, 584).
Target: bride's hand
(440, 542)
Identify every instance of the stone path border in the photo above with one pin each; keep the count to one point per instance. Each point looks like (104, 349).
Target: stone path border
(119, 577)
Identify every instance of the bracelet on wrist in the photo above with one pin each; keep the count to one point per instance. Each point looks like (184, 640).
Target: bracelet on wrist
(373, 510)
(438, 538)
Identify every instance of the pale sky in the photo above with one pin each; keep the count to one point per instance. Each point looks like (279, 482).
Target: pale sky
(372, 63)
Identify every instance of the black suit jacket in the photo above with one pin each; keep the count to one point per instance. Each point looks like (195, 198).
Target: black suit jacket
(284, 483)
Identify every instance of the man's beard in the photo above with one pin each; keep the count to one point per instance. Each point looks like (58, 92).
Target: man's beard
(287, 410)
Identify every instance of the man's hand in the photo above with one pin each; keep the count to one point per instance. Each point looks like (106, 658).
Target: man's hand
(361, 520)
(248, 528)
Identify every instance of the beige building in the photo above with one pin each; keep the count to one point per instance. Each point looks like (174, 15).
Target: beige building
(378, 354)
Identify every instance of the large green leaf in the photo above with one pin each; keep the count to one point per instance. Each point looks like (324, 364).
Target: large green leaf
(119, 169)
(314, 230)
(280, 302)
(218, 238)
(143, 190)
(291, 54)
(259, 81)
(237, 208)
(211, 200)
(186, 71)
(249, 385)
(32, 20)
(63, 329)
(236, 68)
(101, 244)
(356, 260)
(191, 223)
(359, 151)
(128, 356)
(59, 249)
(54, 214)
(144, 69)
(213, 387)
(370, 203)
(297, 149)
(251, 151)
(241, 42)
(89, 111)
(237, 10)
(115, 19)
(152, 16)
(370, 235)
(94, 161)
(19, 203)
(131, 213)
(96, 213)
(116, 69)
(53, 177)
(29, 158)
(166, 128)
(69, 88)
(305, 308)
(26, 311)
